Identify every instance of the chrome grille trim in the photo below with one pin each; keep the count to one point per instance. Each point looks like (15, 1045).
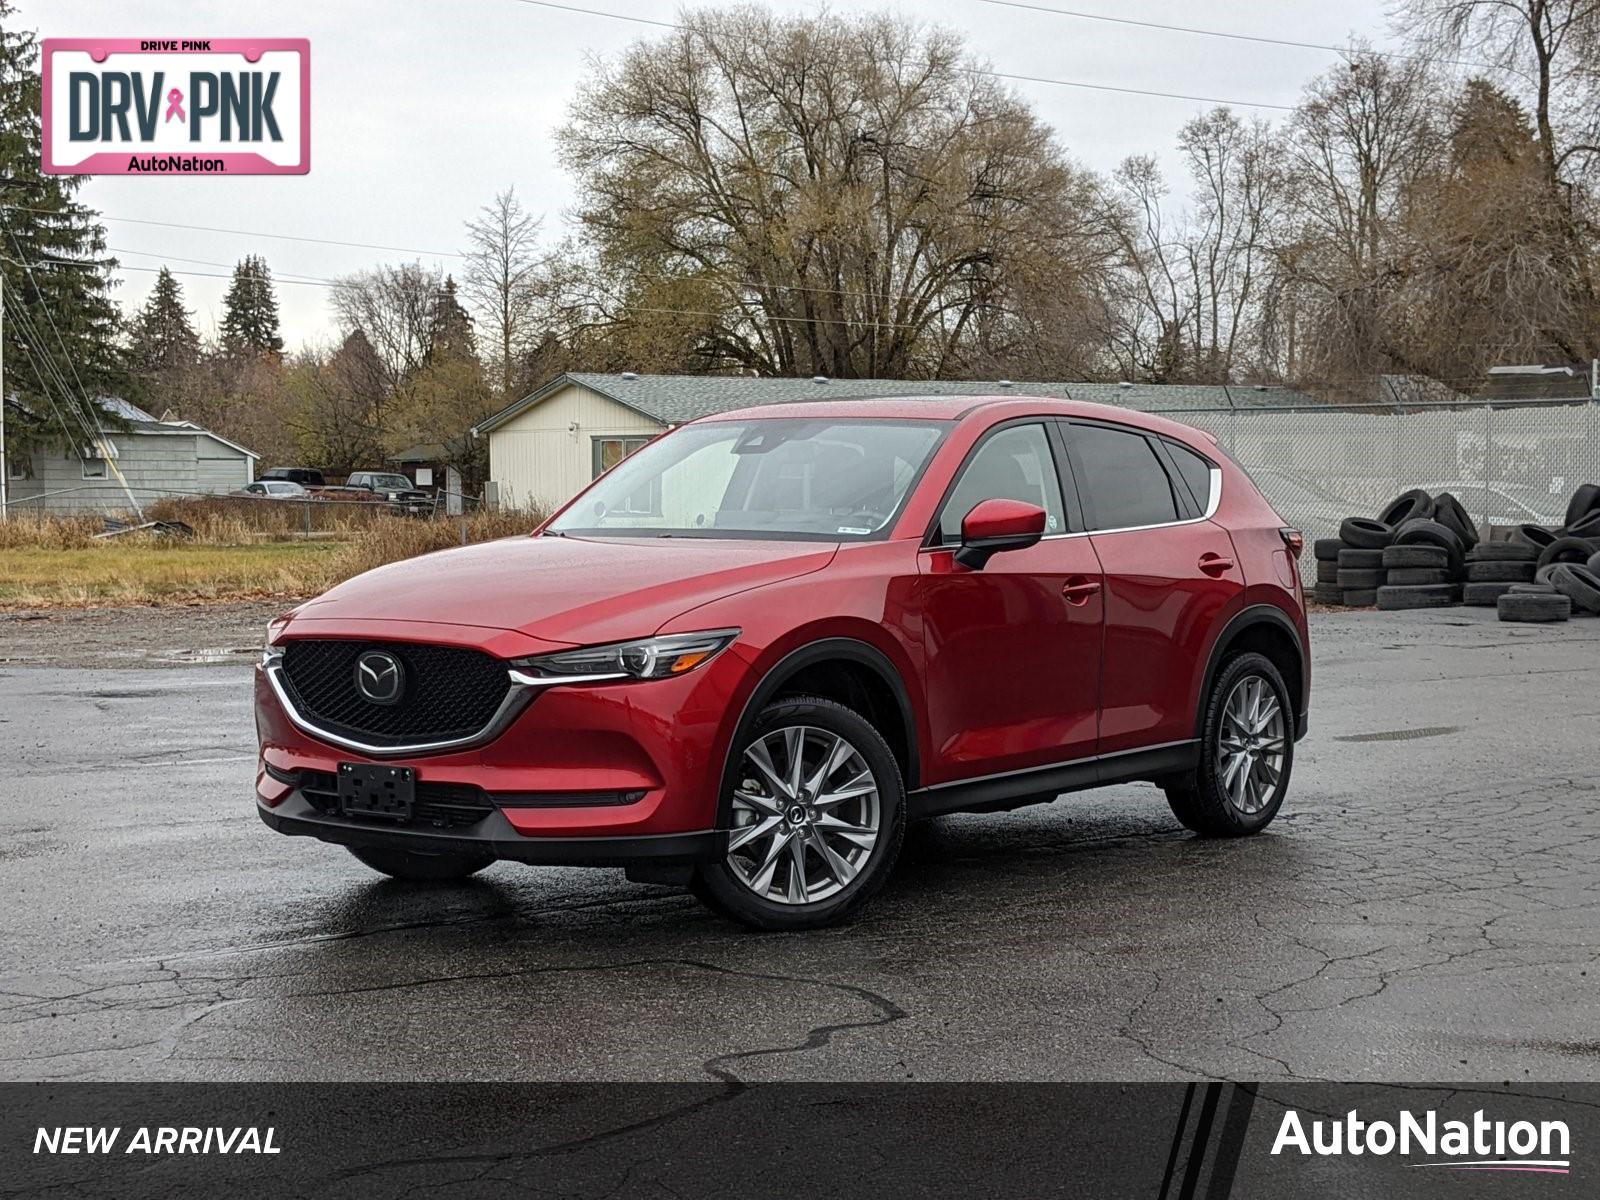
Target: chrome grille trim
(518, 692)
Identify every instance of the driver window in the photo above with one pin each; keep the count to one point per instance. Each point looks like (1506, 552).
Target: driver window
(1013, 464)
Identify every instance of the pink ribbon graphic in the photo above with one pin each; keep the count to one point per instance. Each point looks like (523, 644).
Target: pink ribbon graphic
(175, 105)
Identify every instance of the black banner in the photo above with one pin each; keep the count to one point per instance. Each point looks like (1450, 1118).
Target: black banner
(1163, 1141)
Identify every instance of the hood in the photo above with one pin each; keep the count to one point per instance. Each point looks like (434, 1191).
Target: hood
(565, 589)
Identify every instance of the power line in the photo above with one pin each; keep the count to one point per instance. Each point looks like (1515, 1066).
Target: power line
(594, 13)
(1219, 33)
(290, 277)
(282, 237)
(1071, 83)
(83, 392)
(309, 282)
(1126, 91)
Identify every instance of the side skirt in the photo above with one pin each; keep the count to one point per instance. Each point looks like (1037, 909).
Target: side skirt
(1040, 785)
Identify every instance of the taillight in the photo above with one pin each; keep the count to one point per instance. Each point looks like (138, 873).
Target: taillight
(1293, 539)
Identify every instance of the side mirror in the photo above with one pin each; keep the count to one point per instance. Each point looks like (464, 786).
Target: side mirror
(994, 526)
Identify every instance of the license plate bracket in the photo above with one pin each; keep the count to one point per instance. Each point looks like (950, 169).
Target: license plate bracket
(373, 790)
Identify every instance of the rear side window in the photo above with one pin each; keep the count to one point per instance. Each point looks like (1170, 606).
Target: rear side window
(1122, 481)
(1195, 473)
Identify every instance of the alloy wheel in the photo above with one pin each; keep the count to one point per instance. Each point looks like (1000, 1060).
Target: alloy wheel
(806, 815)
(1251, 744)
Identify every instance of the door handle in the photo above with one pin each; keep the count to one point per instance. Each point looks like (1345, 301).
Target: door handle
(1079, 591)
(1215, 564)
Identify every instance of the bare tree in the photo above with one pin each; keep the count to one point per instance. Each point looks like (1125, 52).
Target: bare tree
(334, 401)
(1238, 170)
(501, 280)
(1549, 53)
(1365, 133)
(394, 306)
(1190, 281)
(842, 195)
(1550, 46)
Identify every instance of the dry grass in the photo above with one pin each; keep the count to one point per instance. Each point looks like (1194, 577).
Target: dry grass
(397, 538)
(131, 572)
(56, 562)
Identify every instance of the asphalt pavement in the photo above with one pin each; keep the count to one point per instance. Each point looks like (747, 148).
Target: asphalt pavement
(1427, 906)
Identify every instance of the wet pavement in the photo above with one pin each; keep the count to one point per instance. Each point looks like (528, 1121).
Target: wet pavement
(1427, 906)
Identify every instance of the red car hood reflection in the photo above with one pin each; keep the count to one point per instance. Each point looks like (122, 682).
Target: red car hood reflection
(564, 589)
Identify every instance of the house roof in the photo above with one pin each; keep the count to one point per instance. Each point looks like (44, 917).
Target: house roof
(674, 399)
(141, 422)
(427, 452)
(1538, 381)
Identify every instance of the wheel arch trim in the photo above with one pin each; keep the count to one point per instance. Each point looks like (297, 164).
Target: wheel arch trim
(786, 668)
(1239, 623)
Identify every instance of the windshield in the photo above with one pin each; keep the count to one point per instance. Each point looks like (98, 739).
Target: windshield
(770, 478)
(398, 482)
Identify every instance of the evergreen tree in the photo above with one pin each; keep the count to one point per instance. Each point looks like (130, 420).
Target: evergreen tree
(61, 346)
(162, 341)
(450, 335)
(250, 311)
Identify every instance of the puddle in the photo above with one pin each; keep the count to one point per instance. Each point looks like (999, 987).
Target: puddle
(1401, 735)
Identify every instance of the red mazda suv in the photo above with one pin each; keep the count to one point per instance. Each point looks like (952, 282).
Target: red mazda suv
(747, 655)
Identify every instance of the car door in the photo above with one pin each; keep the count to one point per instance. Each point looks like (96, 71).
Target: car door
(1170, 572)
(1011, 651)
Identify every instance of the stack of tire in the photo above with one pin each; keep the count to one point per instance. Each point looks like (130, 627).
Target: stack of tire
(1558, 570)
(1411, 555)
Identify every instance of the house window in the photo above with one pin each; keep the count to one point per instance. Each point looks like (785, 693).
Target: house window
(94, 468)
(19, 466)
(607, 453)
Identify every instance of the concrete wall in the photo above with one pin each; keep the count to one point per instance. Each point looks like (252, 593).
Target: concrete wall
(540, 460)
(154, 465)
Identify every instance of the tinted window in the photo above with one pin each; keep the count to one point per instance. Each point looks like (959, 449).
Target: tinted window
(1196, 474)
(1122, 481)
(1013, 464)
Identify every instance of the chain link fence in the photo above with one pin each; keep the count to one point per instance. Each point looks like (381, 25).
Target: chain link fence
(1508, 464)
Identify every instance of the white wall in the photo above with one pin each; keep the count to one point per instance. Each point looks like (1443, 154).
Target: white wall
(540, 460)
(154, 465)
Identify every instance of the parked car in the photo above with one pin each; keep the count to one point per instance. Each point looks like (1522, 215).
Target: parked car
(1505, 503)
(403, 495)
(749, 654)
(304, 476)
(274, 489)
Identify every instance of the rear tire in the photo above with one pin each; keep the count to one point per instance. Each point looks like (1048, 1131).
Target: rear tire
(754, 882)
(1245, 761)
(419, 868)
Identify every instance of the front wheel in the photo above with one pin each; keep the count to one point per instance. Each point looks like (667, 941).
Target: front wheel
(1246, 752)
(817, 817)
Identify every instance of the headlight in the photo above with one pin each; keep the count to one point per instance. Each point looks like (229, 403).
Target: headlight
(647, 658)
(270, 654)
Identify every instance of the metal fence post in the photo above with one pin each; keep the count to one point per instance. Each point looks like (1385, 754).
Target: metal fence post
(1488, 461)
(308, 520)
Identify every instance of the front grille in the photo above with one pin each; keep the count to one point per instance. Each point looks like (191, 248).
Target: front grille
(439, 805)
(450, 692)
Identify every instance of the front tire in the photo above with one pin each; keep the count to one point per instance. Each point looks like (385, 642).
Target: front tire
(817, 819)
(419, 868)
(1246, 753)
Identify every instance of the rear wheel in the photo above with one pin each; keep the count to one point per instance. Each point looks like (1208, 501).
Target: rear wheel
(420, 868)
(1246, 752)
(817, 819)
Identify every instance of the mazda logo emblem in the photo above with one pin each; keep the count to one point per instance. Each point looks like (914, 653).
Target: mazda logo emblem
(379, 677)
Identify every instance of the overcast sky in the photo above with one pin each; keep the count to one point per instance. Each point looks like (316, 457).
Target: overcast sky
(421, 111)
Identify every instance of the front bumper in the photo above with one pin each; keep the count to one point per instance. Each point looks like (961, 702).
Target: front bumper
(623, 762)
(492, 837)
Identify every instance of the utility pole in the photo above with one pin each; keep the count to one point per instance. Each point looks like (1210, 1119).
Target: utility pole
(5, 471)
